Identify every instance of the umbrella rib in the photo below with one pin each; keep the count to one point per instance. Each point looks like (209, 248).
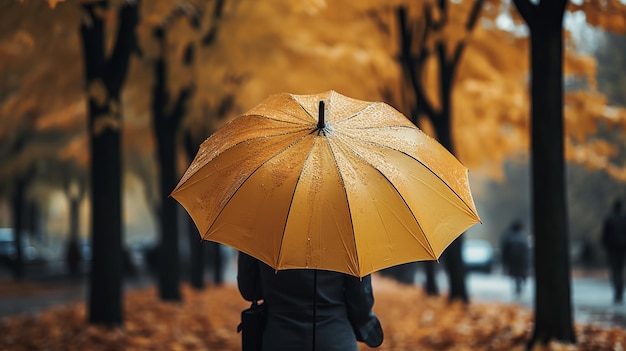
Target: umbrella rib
(430, 247)
(361, 111)
(468, 207)
(275, 119)
(286, 112)
(371, 105)
(303, 108)
(397, 192)
(248, 177)
(190, 183)
(293, 195)
(189, 176)
(330, 146)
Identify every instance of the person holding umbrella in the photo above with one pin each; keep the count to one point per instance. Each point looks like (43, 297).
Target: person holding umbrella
(321, 191)
(311, 309)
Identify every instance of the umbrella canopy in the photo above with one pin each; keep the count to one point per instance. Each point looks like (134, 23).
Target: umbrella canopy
(327, 182)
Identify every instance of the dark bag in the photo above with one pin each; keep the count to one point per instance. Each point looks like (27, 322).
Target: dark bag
(251, 326)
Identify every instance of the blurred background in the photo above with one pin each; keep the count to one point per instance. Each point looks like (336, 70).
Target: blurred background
(166, 74)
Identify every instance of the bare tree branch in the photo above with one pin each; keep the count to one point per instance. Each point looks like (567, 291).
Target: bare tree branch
(125, 45)
(211, 35)
(473, 17)
(413, 66)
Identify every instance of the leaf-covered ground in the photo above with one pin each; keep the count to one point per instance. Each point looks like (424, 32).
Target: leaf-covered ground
(207, 320)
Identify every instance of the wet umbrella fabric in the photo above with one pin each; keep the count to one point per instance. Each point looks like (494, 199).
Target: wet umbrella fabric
(327, 182)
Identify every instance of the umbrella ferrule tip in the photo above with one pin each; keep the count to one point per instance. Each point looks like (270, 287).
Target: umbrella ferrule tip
(320, 120)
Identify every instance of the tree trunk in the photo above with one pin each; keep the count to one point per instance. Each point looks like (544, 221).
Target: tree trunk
(553, 316)
(553, 309)
(169, 262)
(196, 249)
(105, 79)
(196, 244)
(73, 257)
(31, 220)
(452, 256)
(413, 65)
(431, 287)
(105, 303)
(166, 126)
(17, 265)
(218, 260)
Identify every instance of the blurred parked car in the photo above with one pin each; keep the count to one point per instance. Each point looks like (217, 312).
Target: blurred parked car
(8, 253)
(85, 250)
(478, 255)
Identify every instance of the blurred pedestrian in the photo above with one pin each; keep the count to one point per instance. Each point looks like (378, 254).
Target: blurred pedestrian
(308, 307)
(73, 258)
(516, 255)
(614, 242)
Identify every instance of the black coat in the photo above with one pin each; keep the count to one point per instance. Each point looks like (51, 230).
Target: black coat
(342, 305)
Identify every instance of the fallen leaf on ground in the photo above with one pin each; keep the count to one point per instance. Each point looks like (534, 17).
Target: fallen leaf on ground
(207, 320)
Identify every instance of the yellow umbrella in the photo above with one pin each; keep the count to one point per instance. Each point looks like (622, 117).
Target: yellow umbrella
(327, 182)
